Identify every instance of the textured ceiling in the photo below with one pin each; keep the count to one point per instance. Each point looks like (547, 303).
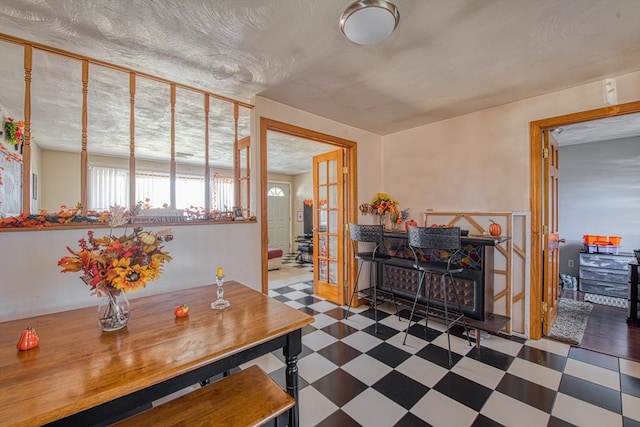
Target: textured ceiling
(445, 59)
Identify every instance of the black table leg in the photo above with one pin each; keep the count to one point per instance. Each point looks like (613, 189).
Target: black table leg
(291, 351)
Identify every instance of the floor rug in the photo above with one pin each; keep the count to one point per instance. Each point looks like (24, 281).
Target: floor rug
(571, 321)
(606, 300)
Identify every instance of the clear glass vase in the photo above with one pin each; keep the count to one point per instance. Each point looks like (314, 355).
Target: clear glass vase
(113, 311)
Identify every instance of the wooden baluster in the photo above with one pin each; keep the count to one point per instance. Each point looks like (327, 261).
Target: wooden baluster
(26, 145)
(207, 169)
(132, 139)
(84, 157)
(173, 147)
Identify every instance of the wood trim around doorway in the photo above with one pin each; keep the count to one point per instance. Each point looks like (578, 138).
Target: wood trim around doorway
(351, 194)
(535, 170)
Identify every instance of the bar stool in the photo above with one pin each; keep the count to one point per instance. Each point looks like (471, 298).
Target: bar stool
(369, 234)
(444, 239)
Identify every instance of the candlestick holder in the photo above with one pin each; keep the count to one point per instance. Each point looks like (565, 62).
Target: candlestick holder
(220, 303)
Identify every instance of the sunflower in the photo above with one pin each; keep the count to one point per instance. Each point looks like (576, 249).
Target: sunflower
(127, 277)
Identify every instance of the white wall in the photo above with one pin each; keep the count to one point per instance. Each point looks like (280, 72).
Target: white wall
(31, 282)
(480, 161)
(59, 179)
(599, 194)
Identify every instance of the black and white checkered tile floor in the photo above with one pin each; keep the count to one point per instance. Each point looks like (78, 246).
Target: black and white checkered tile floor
(294, 260)
(351, 376)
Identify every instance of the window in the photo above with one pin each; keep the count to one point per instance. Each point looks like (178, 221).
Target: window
(275, 192)
(109, 186)
(222, 197)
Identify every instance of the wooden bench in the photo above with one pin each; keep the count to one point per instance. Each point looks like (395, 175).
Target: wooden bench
(247, 398)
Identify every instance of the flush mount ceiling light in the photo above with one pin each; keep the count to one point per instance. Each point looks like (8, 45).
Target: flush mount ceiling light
(369, 21)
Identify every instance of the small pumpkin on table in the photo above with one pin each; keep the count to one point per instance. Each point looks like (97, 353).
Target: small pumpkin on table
(28, 339)
(181, 310)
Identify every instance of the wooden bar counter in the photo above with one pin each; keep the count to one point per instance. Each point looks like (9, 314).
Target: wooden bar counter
(79, 375)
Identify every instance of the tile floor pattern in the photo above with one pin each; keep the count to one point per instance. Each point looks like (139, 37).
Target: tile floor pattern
(351, 376)
(290, 259)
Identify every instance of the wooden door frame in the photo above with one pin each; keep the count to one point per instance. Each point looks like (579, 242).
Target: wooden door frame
(536, 194)
(351, 195)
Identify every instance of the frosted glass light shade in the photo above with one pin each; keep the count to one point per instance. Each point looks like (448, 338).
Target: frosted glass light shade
(369, 21)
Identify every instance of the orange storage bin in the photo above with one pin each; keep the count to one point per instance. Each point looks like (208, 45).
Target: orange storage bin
(615, 240)
(591, 239)
(595, 239)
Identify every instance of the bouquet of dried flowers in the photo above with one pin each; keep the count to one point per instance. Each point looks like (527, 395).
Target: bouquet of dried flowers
(112, 264)
(381, 205)
(398, 218)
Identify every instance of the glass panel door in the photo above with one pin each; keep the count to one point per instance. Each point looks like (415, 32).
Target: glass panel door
(328, 254)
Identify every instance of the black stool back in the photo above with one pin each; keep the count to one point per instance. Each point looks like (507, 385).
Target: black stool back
(443, 239)
(435, 238)
(364, 233)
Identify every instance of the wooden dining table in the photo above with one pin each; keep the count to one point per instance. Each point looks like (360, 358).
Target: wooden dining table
(79, 375)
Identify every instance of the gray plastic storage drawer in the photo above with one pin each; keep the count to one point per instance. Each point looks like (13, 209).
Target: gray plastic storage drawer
(602, 288)
(604, 275)
(613, 262)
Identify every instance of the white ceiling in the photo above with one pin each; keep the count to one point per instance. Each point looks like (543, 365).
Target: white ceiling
(445, 59)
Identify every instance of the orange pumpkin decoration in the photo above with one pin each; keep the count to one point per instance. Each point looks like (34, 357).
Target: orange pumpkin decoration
(494, 228)
(181, 310)
(409, 223)
(28, 339)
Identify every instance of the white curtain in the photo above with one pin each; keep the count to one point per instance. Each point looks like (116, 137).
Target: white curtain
(153, 187)
(222, 194)
(110, 186)
(107, 187)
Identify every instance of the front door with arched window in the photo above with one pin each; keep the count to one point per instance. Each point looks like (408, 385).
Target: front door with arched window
(279, 215)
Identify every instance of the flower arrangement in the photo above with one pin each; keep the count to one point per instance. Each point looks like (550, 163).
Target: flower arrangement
(401, 216)
(44, 218)
(309, 202)
(381, 205)
(198, 213)
(112, 264)
(14, 132)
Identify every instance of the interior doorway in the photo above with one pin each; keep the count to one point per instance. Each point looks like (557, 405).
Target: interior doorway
(539, 262)
(349, 208)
